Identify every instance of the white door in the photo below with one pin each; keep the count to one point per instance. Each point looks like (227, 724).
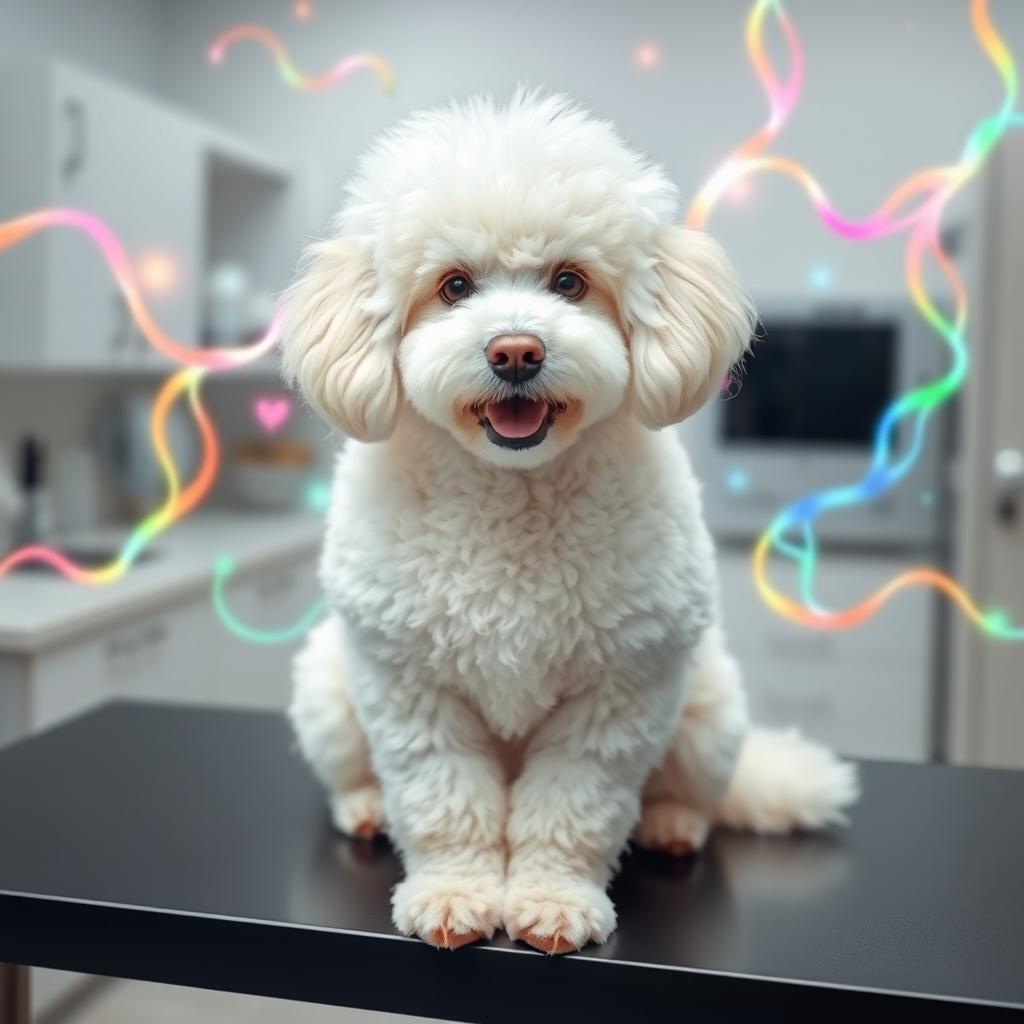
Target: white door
(988, 674)
(136, 165)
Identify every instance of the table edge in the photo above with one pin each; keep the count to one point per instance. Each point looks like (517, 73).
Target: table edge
(43, 916)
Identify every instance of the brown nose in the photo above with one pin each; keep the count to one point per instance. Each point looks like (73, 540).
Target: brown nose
(515, 357)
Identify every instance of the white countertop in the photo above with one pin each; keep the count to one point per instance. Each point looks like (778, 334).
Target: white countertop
(40, 609)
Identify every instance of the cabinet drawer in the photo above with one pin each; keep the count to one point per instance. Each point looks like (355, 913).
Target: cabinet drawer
(182, 654)
(139, 660)
(258, 675)
(69, 682)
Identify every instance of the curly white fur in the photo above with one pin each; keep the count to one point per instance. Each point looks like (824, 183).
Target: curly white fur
(523, 663)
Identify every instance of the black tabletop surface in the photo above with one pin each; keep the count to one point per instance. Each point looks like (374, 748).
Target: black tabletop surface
(193, 846)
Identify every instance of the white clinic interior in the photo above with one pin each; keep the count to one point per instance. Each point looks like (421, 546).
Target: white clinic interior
(215, 175)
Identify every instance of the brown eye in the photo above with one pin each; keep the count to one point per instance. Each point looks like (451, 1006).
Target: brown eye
(569, 284)
(456, 287)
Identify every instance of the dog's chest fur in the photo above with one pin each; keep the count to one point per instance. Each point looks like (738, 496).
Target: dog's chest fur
(518, 589)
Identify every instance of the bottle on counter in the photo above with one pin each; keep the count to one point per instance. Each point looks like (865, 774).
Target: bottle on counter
(34, 522)
(10, 506)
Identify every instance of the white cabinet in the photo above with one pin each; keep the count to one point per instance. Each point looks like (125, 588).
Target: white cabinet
(146, 184)
(87, 144)
(179, 194)
(160, 657)
(866, 691)
(181, 654)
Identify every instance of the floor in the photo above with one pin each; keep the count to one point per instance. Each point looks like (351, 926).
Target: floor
(139, 1002)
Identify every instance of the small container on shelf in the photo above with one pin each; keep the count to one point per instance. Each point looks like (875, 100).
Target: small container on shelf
(271, 474)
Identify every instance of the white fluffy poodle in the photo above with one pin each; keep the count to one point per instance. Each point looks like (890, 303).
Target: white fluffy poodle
(524, 665)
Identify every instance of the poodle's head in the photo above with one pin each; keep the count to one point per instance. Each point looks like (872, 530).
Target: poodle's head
(513, 274)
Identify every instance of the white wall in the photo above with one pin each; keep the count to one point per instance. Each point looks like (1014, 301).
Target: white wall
(120, 38)
(891, 85)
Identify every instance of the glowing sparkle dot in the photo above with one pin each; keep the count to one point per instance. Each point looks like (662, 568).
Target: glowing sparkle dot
(737, 480)
(820, 277)
(318, 495)
(303, 9)
(927, 499)
(158, 271)
(215, 54)
(739, 192)
(997, 620)
(646, 56)
(223, 565)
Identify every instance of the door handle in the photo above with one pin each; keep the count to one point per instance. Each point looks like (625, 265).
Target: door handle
(279, 583)
(74, 159)
(1008, 476)
(122, 323)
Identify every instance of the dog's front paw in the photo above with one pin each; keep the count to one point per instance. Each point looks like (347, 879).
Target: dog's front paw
(671, 828)
(358, 813)
(558, 914)
(447, 911)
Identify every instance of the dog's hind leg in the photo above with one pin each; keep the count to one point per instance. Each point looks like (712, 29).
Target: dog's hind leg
(681, 795)
(329, 734)
(717, 769)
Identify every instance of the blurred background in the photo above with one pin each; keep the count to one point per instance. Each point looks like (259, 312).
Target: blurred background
(214, 176)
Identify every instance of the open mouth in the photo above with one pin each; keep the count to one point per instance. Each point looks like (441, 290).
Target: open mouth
(517, 422)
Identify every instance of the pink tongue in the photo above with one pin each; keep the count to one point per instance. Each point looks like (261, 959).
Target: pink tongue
(516, 417)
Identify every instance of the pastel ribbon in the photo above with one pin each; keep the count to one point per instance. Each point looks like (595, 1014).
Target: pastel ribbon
(915, 207)
(289, 73)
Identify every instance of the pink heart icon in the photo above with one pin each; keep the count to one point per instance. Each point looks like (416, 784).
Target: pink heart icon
(272, 411)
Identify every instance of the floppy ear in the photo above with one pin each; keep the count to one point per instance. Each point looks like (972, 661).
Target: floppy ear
(694, 326)
(339, 352)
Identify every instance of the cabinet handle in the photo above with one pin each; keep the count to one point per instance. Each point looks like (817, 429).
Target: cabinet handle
(276, 584)
(1008, 470)
(74, 160)
(122, 324)
(130, 643)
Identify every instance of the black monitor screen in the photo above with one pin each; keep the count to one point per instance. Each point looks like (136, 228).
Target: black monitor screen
(813, 382)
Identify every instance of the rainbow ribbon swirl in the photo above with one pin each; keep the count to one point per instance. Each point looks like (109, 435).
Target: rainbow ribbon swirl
(931, 190)
(179, 502)
(289, 73)
(198, 362)
(14, 231)
(223, 569)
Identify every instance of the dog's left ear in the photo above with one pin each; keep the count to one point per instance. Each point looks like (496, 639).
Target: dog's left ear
(692, 327)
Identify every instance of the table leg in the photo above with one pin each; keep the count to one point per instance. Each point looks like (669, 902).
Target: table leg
(14, 994)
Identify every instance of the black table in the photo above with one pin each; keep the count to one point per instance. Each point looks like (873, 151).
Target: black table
(192, 846)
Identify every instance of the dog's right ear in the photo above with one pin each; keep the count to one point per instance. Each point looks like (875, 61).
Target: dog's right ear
(335, 349)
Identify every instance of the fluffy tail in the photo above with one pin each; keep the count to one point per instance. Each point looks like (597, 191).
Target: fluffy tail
(784, 782)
